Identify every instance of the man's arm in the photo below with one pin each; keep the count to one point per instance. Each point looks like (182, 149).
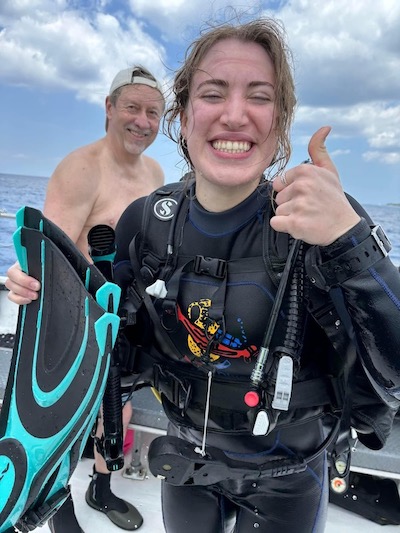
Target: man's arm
(71, 195)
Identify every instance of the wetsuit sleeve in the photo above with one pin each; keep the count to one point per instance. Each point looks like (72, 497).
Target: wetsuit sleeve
(128, 226)
(372, 300)
(131, 329)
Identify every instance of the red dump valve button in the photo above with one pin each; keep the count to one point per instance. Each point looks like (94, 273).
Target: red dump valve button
(251, 398)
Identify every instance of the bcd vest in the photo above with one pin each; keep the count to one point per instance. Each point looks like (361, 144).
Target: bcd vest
(342, 391)
(157, 264)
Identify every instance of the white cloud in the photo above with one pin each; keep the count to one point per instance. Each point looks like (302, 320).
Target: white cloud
(19, 8)
(345, 52)
(73, 50)
(377, 122)
(383, 126)
(390, 158)
(180, 20)
(336, 153)
(20, 156)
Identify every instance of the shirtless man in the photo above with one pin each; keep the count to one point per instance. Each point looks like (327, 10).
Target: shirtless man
(93, 185)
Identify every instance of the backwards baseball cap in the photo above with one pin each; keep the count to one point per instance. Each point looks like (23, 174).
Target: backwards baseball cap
(135, 75)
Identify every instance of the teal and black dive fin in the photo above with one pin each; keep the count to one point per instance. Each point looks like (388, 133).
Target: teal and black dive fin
(58, 373)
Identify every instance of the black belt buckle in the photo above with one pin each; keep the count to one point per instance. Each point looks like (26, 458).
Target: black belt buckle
(210, 266)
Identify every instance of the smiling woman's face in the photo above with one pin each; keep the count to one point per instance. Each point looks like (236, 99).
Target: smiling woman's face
(229, 122)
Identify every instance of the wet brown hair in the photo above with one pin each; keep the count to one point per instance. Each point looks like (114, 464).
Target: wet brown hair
(269, 34)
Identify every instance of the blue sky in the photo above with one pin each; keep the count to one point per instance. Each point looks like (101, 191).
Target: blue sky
(58, 57)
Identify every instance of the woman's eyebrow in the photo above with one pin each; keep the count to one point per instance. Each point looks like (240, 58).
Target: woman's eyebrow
(213, 81)
(223, 83)
(261, 83)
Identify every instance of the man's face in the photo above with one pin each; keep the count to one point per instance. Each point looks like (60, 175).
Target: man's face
(135, 118)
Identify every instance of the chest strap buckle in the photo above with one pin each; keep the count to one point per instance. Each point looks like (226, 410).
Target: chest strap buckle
(210, 266)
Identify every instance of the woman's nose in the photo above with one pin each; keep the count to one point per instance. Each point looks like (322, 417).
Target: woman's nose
(234, 114)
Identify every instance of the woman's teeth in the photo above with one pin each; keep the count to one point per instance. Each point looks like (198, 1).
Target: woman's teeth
(232, 147)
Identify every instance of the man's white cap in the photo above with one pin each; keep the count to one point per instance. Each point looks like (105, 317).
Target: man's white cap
(132, 76)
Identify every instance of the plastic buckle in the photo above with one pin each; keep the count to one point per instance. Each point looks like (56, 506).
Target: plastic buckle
(210, 266)
(261, 423)
(283, 387)
(157, 289)
(381, 240)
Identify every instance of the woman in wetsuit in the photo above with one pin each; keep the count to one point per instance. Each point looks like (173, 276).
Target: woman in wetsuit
(207, 307)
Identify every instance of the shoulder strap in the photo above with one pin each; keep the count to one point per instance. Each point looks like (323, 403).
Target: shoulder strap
(160, 334)
(164, 212)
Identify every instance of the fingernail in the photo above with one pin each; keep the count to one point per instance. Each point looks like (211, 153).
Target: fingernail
(35, 285)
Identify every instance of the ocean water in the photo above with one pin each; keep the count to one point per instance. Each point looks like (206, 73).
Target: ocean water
(17, 191)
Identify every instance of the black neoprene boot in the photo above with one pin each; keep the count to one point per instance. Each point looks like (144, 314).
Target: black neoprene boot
(64, 521)
(121, 513)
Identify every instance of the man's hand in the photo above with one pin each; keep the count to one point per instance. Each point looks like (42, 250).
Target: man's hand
(23, 288)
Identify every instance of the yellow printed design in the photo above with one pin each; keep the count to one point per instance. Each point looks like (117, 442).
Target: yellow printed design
(202, 331)
(200, 311)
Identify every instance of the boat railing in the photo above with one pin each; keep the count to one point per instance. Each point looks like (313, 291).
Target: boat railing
(5, 214)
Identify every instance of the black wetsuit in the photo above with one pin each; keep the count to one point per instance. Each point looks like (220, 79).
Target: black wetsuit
(296, 502)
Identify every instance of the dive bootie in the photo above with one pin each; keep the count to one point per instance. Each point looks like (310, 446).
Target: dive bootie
(64, 521)
(121, 513)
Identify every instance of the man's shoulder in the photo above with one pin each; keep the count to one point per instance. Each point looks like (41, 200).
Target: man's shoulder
(154, 168)
(81, 168)
(89, 151)
(85, 157)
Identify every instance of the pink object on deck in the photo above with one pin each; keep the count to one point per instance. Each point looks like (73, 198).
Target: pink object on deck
(128, 441)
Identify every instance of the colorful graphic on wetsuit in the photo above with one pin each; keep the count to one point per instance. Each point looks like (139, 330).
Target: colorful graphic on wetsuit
(207, 340)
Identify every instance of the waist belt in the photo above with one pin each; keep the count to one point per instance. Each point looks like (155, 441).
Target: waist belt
(186, 389)
(181, 463)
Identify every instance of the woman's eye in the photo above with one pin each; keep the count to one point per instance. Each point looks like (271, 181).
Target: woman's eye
(262, 98)
(211, 96)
